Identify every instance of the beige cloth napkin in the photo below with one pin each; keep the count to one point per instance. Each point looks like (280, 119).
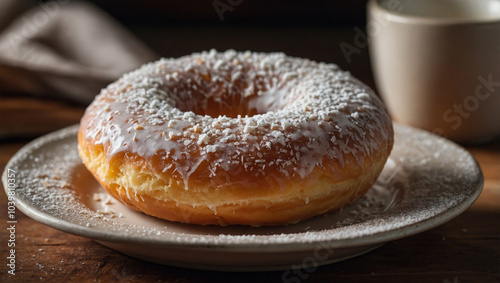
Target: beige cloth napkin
(64, 49)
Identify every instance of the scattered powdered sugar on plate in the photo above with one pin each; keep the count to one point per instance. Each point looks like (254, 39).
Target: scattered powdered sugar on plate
(427, 181)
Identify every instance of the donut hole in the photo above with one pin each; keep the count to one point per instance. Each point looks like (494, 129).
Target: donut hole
(233, 101)
(215, 106)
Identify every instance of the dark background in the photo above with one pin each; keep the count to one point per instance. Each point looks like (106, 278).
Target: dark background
(245, 11)
(311, 29)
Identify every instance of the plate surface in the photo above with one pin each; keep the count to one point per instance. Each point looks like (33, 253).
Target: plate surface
(427, 181)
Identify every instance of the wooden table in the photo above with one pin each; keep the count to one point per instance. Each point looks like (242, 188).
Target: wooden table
(466, 249)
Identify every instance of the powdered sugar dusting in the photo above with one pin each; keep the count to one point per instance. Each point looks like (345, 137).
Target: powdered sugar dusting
(417, 190)
(236, 111)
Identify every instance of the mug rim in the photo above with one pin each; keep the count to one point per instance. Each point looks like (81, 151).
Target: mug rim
(374, 5)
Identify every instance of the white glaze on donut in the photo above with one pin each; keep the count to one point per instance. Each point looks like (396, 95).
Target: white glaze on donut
(299, 113)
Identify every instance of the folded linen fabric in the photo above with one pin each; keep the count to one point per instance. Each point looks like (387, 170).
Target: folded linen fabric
(64, 49)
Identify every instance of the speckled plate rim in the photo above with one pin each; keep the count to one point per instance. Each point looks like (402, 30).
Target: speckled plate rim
(262, 243)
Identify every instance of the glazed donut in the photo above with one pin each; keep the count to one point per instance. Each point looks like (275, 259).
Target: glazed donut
(236, 138)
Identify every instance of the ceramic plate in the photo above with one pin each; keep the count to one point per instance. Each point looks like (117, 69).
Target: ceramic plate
(427, 181)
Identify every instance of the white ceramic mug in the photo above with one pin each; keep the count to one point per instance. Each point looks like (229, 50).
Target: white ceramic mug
(437, 64)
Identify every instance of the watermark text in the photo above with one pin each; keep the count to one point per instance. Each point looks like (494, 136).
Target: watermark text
(11, 221)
